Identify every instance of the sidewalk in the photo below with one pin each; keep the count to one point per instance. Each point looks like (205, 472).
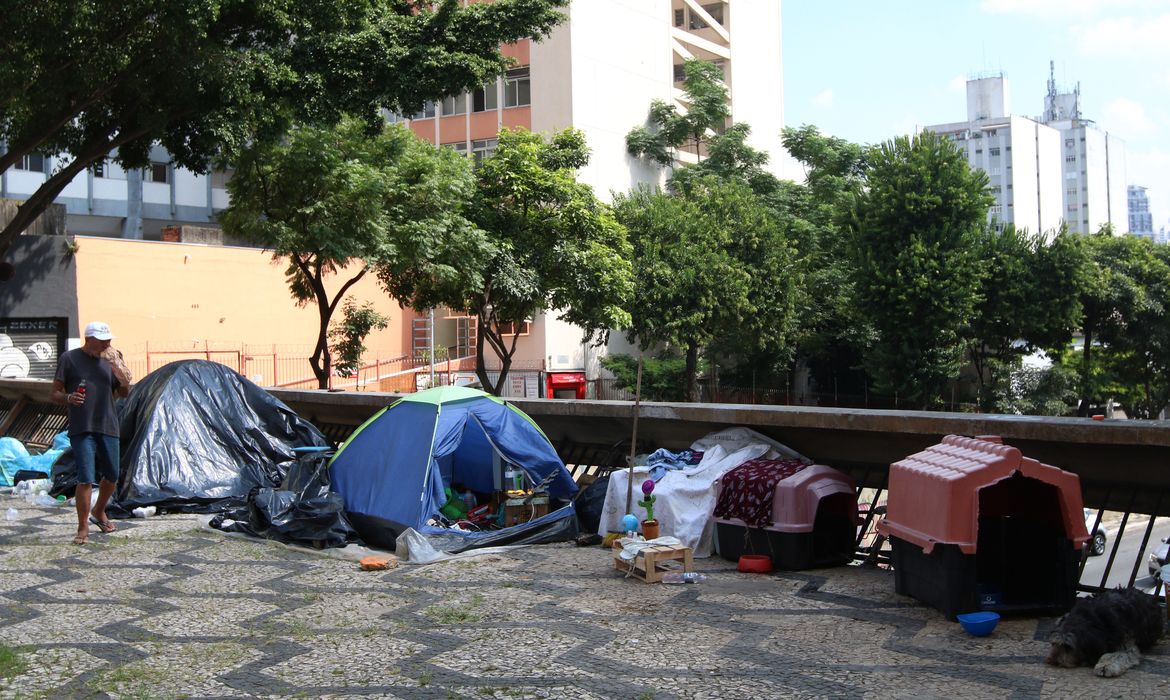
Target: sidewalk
(165, 609)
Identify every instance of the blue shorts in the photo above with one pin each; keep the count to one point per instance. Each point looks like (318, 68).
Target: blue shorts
(95, 455)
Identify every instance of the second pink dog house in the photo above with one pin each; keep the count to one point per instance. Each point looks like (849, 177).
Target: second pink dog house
(807, 519)
(976, 525)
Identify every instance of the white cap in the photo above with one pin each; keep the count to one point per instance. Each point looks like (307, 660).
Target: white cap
(99, 330)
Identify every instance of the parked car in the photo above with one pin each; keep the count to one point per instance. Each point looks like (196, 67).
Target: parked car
(1159, 557)
(1100, 536)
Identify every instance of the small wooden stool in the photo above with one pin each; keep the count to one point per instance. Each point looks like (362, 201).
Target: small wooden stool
(645, 566)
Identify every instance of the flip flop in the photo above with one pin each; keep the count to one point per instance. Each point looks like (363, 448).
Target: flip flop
(106, 527)
(80, 539)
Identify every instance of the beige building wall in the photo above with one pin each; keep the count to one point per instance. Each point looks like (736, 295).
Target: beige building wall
(185, 297)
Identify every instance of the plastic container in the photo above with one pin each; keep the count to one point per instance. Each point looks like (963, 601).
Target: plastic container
(683, 577)
(755, 564)
(12, 514)
(979, 624)
(144, 512)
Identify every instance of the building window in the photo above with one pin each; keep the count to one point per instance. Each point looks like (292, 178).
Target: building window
(220, 178)
(99, 168)
(509, 328)
(458, 146)
(679, 17)
(455, 104)
(392, 117)
(1072, 191)
(32, 162)
(978, 151)
(428, 111)
(996, 189)
(1070, 158)
(486, 98)
(993, 151)
(517, 91)
(1069, 143)
(156, 172)
(714, 9)
(996, 210)
(482, 149)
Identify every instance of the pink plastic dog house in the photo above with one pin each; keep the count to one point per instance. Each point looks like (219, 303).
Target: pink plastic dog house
(814, 523)
(976, 525)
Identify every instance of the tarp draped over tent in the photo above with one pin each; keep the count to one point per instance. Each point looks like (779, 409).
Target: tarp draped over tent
(393, 470)
(197, 436)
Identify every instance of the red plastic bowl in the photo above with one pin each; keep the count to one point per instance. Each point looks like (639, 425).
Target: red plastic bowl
(755, 564)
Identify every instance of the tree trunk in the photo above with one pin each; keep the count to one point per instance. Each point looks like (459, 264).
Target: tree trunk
(1086, 371)
(692, 371)
(35, 205)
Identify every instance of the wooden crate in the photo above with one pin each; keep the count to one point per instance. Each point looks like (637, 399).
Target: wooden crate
(646, 566)
(516, 511)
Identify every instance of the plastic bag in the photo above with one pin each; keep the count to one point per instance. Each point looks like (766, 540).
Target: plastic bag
(413, 546)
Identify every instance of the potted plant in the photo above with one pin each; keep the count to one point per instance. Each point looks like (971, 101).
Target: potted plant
(649, 525)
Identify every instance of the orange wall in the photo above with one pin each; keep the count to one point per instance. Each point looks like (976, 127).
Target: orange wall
(174, 296)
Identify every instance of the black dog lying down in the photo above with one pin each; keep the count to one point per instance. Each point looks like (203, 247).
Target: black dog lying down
(1109, 631)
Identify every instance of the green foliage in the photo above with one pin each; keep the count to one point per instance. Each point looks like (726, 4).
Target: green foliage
(12, 663)
(1032, 391)
(670, 131)
(334, 201)
(1126, 324)
(663, 377)
(714, 264)
(832, 332)
(350, 333)
(541, 241)
(917, 270)
(207, 78)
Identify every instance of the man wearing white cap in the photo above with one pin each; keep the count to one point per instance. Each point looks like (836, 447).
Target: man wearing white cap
(87, 383)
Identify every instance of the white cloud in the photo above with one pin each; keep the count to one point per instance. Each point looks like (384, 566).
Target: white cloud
(823, 99)
(1066, 8)
(1128, 119)
(1126, 35)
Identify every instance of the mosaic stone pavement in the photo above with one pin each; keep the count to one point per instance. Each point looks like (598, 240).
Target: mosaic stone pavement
(165, 608)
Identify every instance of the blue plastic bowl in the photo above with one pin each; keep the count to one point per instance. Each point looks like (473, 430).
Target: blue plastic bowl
(979, 624)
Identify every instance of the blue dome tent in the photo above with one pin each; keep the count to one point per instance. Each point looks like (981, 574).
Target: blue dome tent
(392, 472)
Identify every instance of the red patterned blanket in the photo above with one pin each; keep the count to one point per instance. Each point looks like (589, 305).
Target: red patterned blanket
(748, 490)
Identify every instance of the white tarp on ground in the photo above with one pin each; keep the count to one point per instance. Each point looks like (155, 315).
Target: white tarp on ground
(686, 497)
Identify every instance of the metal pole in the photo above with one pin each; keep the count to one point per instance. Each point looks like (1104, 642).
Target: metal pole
(634, 440)
(431, 333)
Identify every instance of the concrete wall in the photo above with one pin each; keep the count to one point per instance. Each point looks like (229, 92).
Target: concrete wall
(170, 296)
(598, 72)
(757, 76)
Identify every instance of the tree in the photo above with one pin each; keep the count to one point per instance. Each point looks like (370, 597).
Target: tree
(832, 332)
(1129, 313)
(1028, 300)
(917, 271)
(349, 336)
(204, 79)
(671, 131)
(541, 241)
(336, 201)
(713, 264)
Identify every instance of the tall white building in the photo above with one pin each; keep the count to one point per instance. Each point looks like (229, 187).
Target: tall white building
(1093, 163)
(1141, 222)
(1058, 169)
(1021, 157)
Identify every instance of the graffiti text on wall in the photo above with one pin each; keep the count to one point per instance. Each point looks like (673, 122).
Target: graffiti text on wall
(29, 347)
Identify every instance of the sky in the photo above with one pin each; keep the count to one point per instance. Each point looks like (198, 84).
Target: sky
(870, 70)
